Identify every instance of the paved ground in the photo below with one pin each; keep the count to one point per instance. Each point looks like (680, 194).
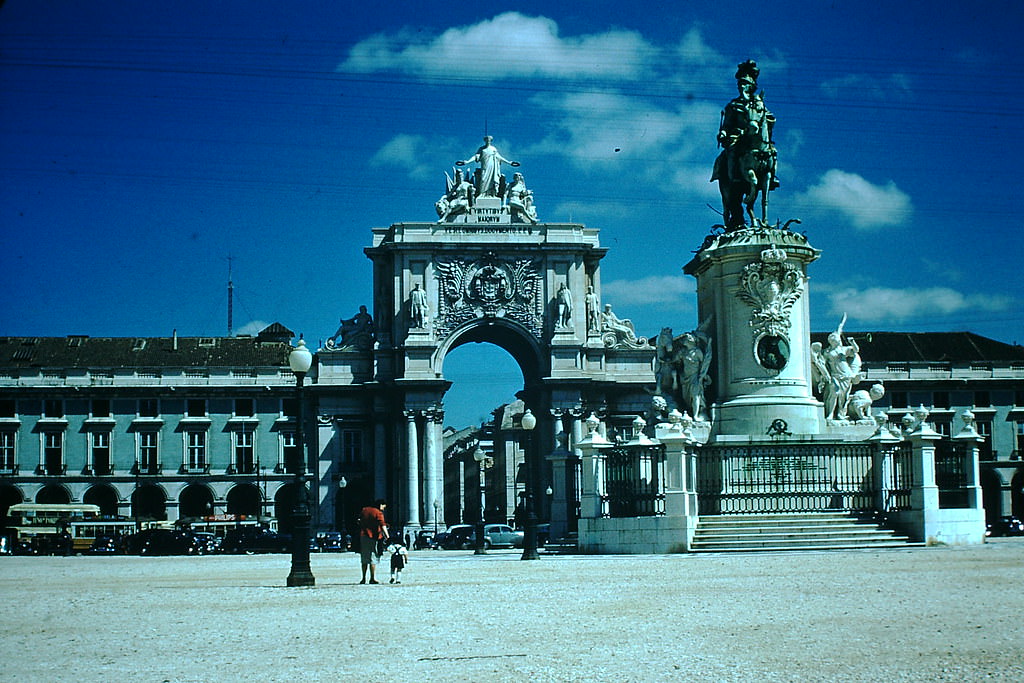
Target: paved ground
(924, 614)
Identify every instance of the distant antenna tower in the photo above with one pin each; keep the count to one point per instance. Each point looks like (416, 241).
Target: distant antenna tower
(231, 298)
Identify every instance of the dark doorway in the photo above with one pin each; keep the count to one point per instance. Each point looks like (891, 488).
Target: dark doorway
(53, 495)
(195, 501)
(105, 497)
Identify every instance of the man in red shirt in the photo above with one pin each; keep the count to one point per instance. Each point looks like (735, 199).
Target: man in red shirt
(372, 528)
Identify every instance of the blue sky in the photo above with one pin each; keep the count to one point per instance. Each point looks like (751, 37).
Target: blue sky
(142, 144)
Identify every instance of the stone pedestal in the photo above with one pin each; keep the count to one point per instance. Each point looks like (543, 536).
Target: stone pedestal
(752, 300)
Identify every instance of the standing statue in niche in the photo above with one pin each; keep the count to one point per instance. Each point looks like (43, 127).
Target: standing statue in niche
(418, 306)
(356, 332)
(592, 306)
(520, 201)
(490, 160)
(564, 302)
(456, 200)
(746, 166)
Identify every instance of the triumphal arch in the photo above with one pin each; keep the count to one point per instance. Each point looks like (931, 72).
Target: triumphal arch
(488, 269)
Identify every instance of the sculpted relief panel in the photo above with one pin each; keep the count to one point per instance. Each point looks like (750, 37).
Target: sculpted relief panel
(488, 287)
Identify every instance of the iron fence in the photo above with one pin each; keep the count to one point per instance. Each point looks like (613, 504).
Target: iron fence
(785, 478)
(634, 478)
(900, 480)
(951, 474)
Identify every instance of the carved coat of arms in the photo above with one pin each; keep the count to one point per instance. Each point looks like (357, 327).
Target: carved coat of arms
(487, 288)
(771, 286)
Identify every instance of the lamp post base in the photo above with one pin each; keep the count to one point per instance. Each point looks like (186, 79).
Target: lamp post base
(299, 577)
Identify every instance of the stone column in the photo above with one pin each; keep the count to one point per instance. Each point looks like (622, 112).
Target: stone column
(412, 471)
(433, 473)
(380, 454)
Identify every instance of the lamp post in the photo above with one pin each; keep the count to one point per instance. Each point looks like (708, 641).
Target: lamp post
(437, 513)
(300, 360)
(529, 421)
(484, 461)
(340, 505)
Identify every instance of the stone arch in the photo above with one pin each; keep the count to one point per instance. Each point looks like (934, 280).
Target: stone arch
(149, 503)
(53, 494)
(195, 500)
(284, 503)
(507, 335)
(9, 495)
(991, 493)
(1017, 494)
(105, 497)
(244, 499)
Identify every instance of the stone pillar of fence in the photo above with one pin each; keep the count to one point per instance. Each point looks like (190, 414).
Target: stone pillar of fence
(970, 440)
(924, 492)
(926, 520)
(886, 444)
(592, 448)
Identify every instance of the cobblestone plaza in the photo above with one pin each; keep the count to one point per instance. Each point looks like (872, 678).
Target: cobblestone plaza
(915, 614)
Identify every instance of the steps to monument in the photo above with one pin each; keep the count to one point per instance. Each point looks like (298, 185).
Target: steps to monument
(810, 531)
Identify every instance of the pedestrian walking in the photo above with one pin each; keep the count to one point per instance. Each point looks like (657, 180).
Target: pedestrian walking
(373, 533)
(399, 558)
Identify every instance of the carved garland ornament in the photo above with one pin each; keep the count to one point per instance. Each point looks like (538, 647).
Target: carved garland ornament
(487, 288)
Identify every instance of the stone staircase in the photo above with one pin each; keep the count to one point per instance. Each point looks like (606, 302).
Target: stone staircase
(803, 531)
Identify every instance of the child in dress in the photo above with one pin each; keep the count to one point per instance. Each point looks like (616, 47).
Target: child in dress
(399, 558)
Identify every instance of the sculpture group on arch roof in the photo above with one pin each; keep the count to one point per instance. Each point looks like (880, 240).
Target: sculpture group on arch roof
(463, 191)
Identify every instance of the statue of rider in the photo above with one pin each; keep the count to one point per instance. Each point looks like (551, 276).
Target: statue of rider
(748, 158)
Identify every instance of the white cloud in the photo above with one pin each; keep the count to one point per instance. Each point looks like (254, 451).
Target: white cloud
(669, 291)
(889, 304)
(666, 148)
(865, 205)
(252, 328)
(509, 45)
(409, 152)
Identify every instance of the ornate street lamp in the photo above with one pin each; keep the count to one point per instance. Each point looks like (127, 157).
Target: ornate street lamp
(484, 461)
(300, 360)
(530, 537)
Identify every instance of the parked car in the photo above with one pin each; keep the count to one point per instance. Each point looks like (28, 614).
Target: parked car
(250, 540)
(161, 542)
(424, 539)
(500, 536)
(104, 545)
(205, 542)
(496, 536)
(1005, 526)
(331, 542)
(454, 537)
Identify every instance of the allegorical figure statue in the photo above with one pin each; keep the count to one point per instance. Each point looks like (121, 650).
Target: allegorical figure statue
(418, 306)
(746, 166)
(355, 332)
(564, 302)
(520, 200)
(861, 400)
(490, 160)
(693, 366)
(619, 329)
(456, 200)
(836, 370)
